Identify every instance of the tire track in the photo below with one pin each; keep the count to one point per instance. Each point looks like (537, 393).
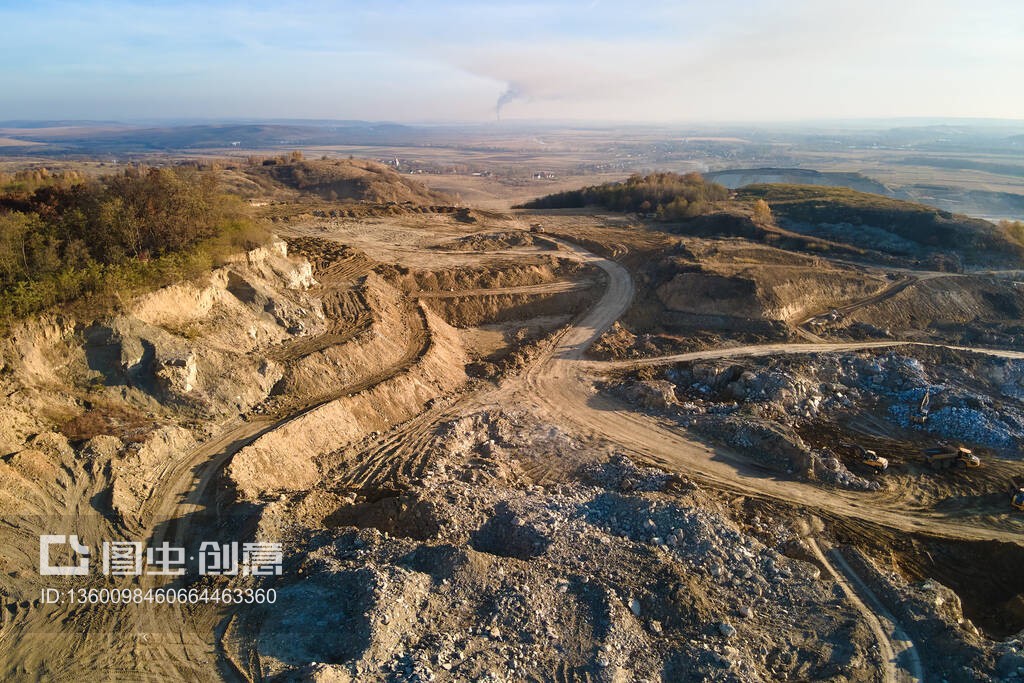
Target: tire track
(900, 661)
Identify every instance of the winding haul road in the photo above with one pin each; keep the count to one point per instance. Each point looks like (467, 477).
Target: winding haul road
(559, 384)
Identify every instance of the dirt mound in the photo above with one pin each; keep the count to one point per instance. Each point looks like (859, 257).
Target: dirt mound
(969, 310)
(629, 576)
(496, 241)
(285, 458)
(351, 179)
(881, 224)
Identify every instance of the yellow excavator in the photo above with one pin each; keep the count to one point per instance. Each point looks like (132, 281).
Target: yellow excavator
(922, 410)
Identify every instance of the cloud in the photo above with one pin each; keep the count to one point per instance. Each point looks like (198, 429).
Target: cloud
(472, 59)
(793, 59)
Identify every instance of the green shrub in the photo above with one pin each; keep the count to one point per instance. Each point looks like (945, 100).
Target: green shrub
(96, 242)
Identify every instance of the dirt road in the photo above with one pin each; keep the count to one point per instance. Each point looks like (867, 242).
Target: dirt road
(900, 661)
(560, 387)
(782, 348)
(559, 384)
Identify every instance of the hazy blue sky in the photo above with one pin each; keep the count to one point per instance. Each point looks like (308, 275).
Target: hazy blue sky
(454, 59)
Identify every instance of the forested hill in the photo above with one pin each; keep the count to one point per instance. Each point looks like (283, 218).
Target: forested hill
(669, 195)
(64, 237)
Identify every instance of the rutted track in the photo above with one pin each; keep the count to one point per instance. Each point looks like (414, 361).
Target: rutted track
(900, 661)
(784, 348)
(544, 288)
(556, 384)
(559, 385)
(886, 293)
(162, 643)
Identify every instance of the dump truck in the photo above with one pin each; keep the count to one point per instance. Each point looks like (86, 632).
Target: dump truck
(945, 456)
(1017, 493)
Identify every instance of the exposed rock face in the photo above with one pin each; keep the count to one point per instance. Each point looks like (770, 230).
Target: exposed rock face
(772, 444)
(296, 274)
(782, 294)
(130, 388)
(653, 394)
(711, 294)
(177, 375)
(188, 344)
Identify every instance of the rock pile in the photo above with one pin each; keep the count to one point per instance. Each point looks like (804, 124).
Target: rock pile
(622, 573)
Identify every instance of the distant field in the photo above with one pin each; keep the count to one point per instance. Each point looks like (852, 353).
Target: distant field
(974, 170)
(894, 168)
(11, 142)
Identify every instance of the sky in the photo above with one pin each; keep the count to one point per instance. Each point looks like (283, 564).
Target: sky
(463, 60)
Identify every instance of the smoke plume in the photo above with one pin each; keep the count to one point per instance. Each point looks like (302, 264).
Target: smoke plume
(512, 92)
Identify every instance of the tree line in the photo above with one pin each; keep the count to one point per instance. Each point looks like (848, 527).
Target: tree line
(63, 237)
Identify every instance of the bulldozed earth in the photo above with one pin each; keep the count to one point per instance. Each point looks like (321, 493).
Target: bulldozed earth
(528, 445)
